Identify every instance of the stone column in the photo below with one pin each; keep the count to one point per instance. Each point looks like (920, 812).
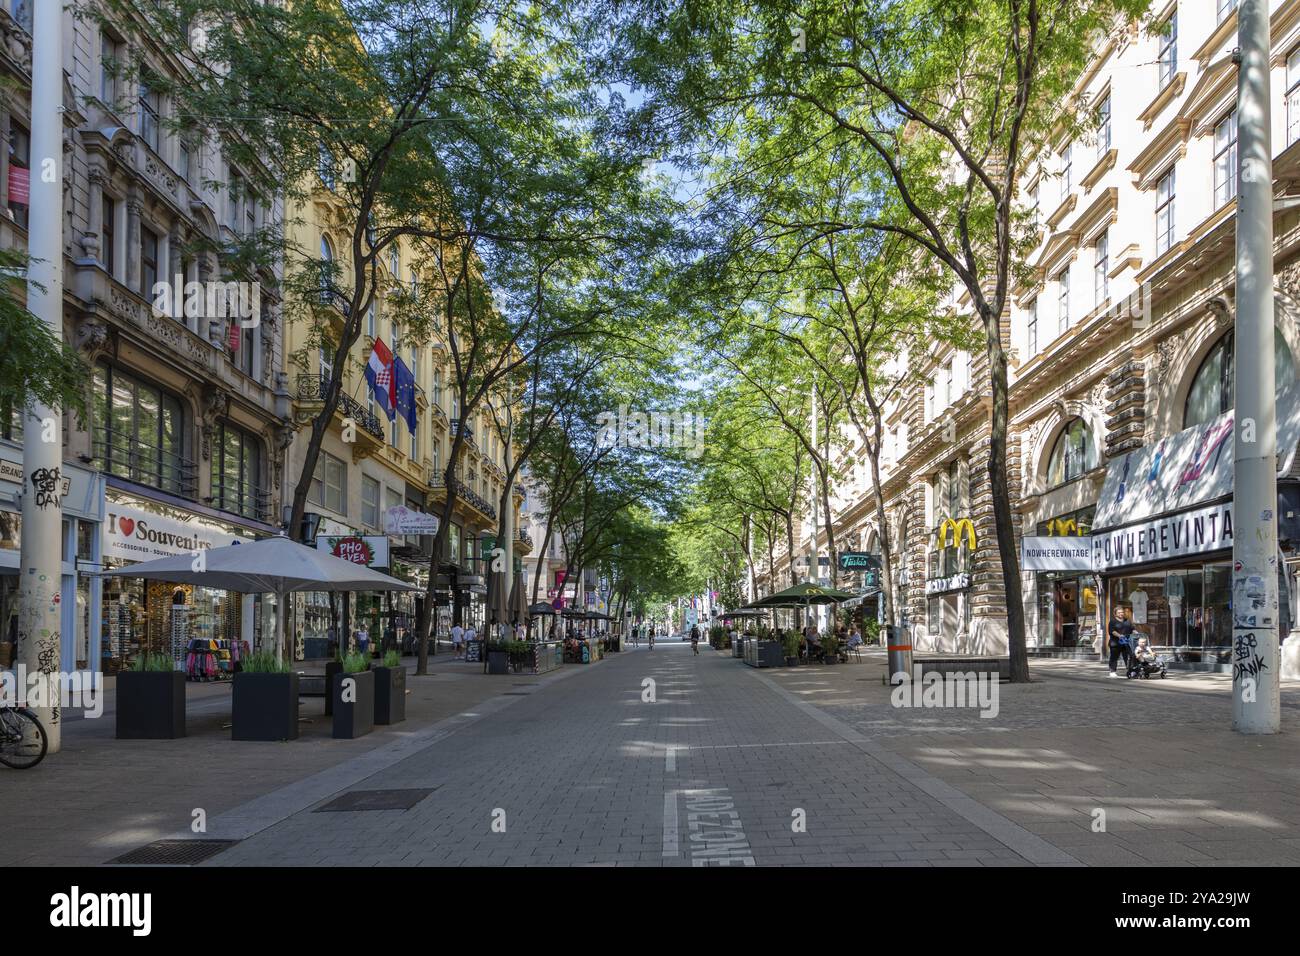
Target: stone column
(134, 209)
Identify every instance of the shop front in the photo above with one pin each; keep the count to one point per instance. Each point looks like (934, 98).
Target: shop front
(1163, 541)
(1067, 598)
(140, 616)
(78, 594)
(948, 587)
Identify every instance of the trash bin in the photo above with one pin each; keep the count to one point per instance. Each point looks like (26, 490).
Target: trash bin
(900, 654)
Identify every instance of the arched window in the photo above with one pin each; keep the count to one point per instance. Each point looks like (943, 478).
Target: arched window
(1213, 392)
(1073, 455)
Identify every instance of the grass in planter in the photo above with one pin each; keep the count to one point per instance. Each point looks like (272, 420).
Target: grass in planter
(264, 662)
(392, 659)
(356, 663)
(153, 662)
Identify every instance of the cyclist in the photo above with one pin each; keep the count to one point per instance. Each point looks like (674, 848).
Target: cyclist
(695, 639)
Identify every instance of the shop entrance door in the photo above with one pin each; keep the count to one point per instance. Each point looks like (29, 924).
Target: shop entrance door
(1066, 619)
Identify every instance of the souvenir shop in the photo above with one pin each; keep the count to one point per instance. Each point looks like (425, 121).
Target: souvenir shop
(83, 513)
(205, 630)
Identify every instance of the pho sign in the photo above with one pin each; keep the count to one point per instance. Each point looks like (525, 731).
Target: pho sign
(370, 550)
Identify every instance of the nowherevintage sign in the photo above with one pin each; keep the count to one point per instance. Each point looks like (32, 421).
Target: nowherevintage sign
(1050, 553)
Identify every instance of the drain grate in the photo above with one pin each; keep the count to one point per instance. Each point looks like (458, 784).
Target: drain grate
(516, 693)
(355, 800)
(173, 853)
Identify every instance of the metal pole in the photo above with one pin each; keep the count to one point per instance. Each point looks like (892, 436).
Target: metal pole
(1256, 704)
(40, 644)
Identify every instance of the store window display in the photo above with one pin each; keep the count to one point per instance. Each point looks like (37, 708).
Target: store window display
(1185, 611)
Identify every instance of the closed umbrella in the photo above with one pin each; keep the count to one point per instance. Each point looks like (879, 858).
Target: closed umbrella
(272, 565)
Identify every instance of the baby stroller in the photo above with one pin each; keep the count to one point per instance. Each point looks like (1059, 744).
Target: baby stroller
(1147, 669)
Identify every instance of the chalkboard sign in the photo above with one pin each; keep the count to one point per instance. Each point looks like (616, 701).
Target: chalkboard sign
(473, 650)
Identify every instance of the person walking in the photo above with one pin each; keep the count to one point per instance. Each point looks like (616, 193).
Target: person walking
(1120, 632)
(458, 640)
(695, 639)
(652, 638)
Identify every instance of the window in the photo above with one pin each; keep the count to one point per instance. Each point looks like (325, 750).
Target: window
(1067, 170)
(369, 501)
(1223, 8)
(110, 59)
(148, 105)
(415, 283)
(139, 432)
(1036, 209)
(1168, 56)
(20, 161)
(394, 263)
(183, 161)
(1101, 270)
(1225, 159)
(325, 166)
(326, 268)
(415, 443)
(1032, 329)
(1073, 455)
(1213, 391)
(370, 320)
(108, 247)
(243, 356)
(21, 11)
(1165, 213)
(1293, 96)
(329, 486)
(1103, 126)
(237, 472)
(1063, 300)
(148, 261)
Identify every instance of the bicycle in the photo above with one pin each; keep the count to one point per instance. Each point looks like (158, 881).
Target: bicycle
(22, 738)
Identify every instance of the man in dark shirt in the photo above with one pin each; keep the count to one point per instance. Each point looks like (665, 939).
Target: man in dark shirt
(1120, 631)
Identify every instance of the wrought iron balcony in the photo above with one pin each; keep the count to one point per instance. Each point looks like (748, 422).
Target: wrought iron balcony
(469, 496)
(313, 388)
(246, 500)
(117, 455)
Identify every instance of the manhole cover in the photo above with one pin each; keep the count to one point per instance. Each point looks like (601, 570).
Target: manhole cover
(377, 800)
(173, 853)
(516, 693)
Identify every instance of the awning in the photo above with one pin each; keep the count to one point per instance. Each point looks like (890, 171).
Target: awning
(1186, 470)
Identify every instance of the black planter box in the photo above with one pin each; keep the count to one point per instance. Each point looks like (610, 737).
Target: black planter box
(390, 694)
(354, 718)
(332, 667)
(150, 705)
(498, 662)
(264, 707)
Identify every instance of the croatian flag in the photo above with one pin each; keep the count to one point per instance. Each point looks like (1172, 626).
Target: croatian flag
(379, 374)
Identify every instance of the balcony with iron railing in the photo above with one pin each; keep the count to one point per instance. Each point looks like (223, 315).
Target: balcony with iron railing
(525, 541)
(467, 495)
(145, 465)
(457, 424)
(312, 389)
(245, 500)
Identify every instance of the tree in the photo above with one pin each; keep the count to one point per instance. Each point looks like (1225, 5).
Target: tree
(35, 366)
(944, 103)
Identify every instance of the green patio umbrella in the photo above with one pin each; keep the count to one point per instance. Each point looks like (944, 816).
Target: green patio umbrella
(802, 595)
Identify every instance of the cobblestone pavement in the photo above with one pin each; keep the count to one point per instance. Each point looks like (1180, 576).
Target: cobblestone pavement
(721, 768)
(100, 797)
(1155, 761)
(726, 765)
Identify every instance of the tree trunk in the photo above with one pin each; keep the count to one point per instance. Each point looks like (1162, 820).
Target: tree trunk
(1002, 517)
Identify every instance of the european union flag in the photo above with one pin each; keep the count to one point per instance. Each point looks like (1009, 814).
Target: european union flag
(404, 382)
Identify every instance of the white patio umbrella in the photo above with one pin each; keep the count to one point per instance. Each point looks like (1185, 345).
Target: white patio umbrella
(272, 565)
